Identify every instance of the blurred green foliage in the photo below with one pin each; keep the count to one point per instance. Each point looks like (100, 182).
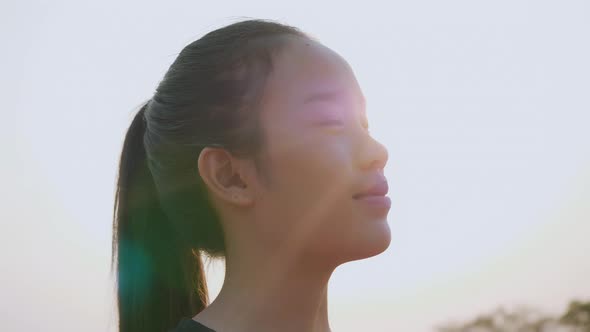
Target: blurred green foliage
(576, 318)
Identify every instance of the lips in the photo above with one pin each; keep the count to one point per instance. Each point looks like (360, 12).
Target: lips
(378, 189)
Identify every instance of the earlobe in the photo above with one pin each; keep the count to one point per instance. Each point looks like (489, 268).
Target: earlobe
(242, 200)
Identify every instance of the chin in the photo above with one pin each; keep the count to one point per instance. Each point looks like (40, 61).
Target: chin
(377, 241)
(349, 244)
(369, 242)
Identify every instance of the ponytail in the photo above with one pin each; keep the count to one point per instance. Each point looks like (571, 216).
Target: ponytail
(160, 277)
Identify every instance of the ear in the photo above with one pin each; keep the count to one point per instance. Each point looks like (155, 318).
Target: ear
(223, 175)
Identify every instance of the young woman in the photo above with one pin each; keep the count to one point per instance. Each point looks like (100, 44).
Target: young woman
(254, 148)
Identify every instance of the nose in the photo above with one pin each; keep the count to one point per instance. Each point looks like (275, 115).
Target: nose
(375, 155)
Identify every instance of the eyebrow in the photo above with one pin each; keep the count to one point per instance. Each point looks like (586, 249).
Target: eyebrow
(332, 95)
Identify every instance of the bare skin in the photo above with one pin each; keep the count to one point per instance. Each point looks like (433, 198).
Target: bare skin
(286, 236)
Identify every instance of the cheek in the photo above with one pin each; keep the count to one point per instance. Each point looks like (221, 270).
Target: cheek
(312, 180)
(313, 167)
(310, 206)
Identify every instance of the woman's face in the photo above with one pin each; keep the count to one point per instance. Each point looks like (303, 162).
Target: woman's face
(319, 154)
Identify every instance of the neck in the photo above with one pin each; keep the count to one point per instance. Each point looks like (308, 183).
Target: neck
(272, 296)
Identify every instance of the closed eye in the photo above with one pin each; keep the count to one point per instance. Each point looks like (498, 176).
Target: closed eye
(332, 122)
(365, 125)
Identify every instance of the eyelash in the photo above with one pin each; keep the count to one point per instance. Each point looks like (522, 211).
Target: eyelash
(332, 122)
(338, 122)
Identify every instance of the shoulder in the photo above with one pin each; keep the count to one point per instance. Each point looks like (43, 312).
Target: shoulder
(189, 325)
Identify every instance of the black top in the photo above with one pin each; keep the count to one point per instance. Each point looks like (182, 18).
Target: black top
(190, 325)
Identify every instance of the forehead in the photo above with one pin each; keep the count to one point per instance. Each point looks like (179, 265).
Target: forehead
(307, 71)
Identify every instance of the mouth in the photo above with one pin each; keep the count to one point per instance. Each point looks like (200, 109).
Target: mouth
(375, 197)
(379, 189)
(380, 204)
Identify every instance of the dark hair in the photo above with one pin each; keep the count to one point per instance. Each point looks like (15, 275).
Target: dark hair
(163, 219)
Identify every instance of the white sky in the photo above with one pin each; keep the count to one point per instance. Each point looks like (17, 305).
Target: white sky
(483, 106)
